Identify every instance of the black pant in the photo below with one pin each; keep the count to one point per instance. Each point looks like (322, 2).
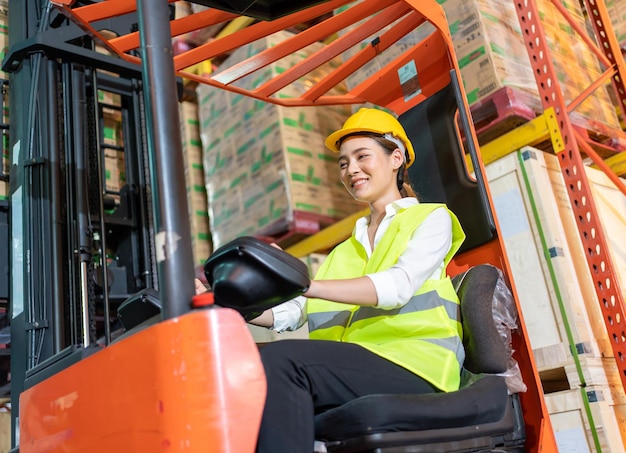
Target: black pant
(306, 377)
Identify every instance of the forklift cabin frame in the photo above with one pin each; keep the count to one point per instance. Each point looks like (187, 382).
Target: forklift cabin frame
(54, 411)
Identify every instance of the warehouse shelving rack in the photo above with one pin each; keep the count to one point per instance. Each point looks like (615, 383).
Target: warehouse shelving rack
(567, 143)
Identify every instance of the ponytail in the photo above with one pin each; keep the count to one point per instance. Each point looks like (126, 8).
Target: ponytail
(405, 188)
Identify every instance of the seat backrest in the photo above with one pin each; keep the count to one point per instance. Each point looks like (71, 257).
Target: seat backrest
(439, 174)
(485, 349)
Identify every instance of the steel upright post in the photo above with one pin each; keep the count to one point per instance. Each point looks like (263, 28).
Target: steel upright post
(578, 188)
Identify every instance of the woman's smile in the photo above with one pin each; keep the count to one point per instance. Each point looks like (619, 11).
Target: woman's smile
(358, 182)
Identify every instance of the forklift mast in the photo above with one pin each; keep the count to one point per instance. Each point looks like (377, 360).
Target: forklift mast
(79, 249)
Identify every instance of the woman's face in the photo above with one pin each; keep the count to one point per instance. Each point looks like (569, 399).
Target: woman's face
(367, 170)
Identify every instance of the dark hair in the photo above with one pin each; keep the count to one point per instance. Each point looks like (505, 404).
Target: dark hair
(403, 186)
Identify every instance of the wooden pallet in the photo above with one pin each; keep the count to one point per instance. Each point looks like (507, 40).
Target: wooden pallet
(287, 232)
(508, 108)
(502, 112)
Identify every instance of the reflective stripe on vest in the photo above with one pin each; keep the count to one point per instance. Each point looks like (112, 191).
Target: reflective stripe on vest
(325, 320)
(424, 335)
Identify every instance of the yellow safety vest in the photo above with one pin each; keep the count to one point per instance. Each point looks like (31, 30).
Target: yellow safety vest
(425, 335)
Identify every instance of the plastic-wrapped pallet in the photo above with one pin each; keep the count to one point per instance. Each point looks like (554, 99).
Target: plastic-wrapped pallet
(489, 47)
(263, 162)
(566, 46)
(498, 35)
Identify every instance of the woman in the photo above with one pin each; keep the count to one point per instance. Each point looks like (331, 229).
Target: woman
(381, 311)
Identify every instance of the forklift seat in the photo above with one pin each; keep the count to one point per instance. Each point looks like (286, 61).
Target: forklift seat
(481, 415)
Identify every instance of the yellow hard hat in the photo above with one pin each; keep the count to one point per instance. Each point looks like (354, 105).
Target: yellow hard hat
(377, 122)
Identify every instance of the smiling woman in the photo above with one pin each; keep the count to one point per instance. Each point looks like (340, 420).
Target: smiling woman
(381, 309)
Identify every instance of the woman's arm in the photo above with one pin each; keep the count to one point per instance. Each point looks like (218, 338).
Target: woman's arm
(395, 286)
(266, 319)
(356, 291)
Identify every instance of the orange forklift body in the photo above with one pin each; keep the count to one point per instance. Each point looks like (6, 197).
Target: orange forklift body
(192, 383)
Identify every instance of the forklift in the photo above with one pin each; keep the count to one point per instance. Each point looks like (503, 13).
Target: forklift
(191, 378)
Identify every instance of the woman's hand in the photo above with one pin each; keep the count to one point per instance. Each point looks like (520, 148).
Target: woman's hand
(200, 288)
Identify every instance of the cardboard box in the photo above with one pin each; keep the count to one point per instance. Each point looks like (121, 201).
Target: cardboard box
(115, 171)
(264, 162)
(491, 53)
(109, 98)
(5, 426)
(112, 131)
(201, 242)
(4, 33)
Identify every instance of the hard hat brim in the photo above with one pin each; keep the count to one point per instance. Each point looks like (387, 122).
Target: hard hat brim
(333, 139)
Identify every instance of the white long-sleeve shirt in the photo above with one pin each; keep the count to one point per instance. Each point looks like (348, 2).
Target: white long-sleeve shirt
(422, 259)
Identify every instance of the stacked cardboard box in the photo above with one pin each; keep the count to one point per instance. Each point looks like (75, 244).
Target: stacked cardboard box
(491, 53)
(113, 141)
(384, 57)
(4, 46)
(617, 12)
(194, 180)
(112, 136)
(264, 162)
(489, 47)
(566, 46)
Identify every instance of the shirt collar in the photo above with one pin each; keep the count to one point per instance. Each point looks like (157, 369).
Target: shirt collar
(390, 210)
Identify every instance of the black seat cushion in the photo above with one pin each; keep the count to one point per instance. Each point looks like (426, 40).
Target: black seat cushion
(483, 401)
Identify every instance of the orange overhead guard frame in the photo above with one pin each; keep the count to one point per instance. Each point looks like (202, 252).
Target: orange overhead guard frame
(166, 384)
